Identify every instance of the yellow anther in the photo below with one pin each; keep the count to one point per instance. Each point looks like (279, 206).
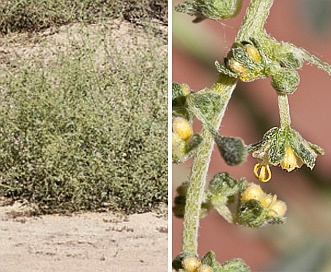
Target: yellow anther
(262, 172)
(182, 127)
(253, 53)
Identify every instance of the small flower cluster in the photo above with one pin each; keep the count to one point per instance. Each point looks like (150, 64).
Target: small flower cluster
(275, 207)
(255, 208)
(258, 209)
(184, 141)
(189, 263)
(245, 61)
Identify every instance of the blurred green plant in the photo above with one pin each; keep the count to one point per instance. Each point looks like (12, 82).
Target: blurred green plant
(36, 15)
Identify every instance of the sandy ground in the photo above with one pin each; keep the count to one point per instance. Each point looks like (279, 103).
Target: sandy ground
(82, 242)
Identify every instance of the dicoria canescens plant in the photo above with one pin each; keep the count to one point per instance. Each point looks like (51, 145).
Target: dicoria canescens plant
(253, 55)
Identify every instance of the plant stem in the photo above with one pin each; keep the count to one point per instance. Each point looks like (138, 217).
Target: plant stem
(253, 23)
(284, 111)
(255, 18)
(224, 87)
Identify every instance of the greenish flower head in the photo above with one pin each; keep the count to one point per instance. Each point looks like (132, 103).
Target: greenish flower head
(283, 147)
(211, 9)
(245, 61)
(285, 80)
(257, 208)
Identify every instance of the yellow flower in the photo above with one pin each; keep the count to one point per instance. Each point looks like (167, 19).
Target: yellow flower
(290, 160)
(182, 127)
(262, 172)
(268, 200)
(282, 147)
(191, 264)
(253, 191)
(277, 209)
(205, 268)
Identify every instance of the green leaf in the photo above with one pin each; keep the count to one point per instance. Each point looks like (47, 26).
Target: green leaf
(237, 265)
(277, 149)
(232, 149)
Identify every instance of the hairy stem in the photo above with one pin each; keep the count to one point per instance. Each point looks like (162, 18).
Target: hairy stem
(253, 23)
(224, 87)
(255, 18)
(284, 111)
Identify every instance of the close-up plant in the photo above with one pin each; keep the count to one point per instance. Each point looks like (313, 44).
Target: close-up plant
(253, 55)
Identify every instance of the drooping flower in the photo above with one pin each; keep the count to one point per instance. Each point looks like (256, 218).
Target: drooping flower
(283, 147)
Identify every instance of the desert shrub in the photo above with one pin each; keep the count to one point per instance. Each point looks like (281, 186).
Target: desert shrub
(36, 15)
(79, 136)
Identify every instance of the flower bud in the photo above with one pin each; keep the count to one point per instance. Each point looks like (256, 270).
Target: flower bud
(232, 149)
(277, 209)
(253, 191)
(253, 52)
(212, 9)
(205, 268)
(285, 81)
(182, 127)
(191, 264)
(268, 200)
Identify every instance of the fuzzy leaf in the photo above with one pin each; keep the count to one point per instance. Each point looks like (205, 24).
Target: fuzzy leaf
(232, 149)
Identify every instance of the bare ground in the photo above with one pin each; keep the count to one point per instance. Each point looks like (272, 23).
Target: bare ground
(82, 242)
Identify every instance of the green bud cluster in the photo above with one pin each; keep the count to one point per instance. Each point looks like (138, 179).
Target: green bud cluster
(248, 61)
(245, 61)
(211, 9)
(203, 105)
(254, 208)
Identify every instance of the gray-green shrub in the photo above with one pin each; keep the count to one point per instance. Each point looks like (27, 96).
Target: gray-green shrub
(78, 136)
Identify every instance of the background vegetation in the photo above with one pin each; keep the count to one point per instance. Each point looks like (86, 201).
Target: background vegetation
(35, 15)
(83, 121)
